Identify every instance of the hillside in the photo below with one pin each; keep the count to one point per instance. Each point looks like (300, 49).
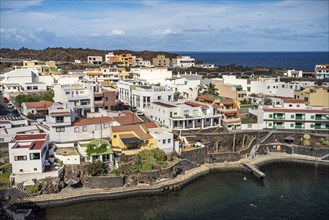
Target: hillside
(71, 54)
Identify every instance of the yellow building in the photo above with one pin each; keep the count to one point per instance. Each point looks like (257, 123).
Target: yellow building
(161, 61)
(126, 59)
(131, 139)
(314, 96)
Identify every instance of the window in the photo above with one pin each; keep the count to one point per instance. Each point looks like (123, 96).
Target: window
(34, 156)
(270, 116)
(60, 129)
(292, 116)
(35, 169)
(164, 141)
(290, 105)
(312, 116)
(29, 88)
(76, 130)
(147, 142)
(16, 158)
(84, 128)
(186, 112)
(59, 119)
(114, 136)
(67, 93)
(169, 141)
(292, 125)
(35, 88)
(21, 170)
(159, 97)
(312, 125)
(298, 106)
(270, 124)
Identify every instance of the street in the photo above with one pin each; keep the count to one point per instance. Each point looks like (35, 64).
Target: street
(4, 110)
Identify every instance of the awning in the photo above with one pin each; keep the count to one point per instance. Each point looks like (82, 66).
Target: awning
(131, 140)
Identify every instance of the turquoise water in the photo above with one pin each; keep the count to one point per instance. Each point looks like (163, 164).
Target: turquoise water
(287, 192)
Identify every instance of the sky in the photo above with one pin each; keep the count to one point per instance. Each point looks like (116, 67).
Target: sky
(168, 25)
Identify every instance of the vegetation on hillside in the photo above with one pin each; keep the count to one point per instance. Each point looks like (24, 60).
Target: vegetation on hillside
(46, 96)
(148, 160)
(71, 54)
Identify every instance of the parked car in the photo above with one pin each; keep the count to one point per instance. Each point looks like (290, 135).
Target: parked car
(133, 108)
(140, 113)
(15, 112)
(9, 105)
(4, 99)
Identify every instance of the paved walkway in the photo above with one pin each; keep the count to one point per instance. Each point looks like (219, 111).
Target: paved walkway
(71, 193)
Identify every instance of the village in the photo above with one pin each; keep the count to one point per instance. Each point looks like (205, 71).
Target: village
(128, 116)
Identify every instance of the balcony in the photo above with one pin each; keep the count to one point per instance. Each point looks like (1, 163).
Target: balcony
(231, 120)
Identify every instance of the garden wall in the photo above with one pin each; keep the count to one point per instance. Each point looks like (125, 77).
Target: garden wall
(104, 182)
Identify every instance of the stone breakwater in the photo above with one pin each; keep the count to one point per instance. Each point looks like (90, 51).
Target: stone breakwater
(159, 188)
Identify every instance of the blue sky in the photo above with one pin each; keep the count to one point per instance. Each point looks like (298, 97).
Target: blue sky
(292, 25)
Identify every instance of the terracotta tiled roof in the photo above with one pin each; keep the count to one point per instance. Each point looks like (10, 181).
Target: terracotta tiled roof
(39, 106)
(30, 136)
(60, 113)
(293, 101)
(34, 145)
(138, 129)
(295, 110)
(89, 121)
(193, 104)
(206, 98)
(127, 119)
(164, 104)
(126, 112)
(227, 102)
(151, 125)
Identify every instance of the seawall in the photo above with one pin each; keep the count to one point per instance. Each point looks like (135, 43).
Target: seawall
(159, 188)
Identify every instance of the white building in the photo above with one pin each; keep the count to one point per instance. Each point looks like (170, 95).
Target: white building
(140, 95)
(8, 134)
(231, 79)
(185, 62)
(67, 153)
(108, 56)
(165, 139)
(80, 95)
(28, 155)
(153, 74)
(111, 75)
(35, 107)
(322, 71)
(22, 80)
(95, 59)
(187, 88)
(293, 114)
(184, 115)
(273, 86)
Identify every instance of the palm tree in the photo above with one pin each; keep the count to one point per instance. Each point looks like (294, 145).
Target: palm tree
(211, 89)
(177, 95)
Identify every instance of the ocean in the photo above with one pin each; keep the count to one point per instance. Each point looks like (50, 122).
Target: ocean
(288, 191)
(305, 61)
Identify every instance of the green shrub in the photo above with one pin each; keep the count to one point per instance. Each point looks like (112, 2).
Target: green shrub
(148, 160)
(116, 172)
(306, 143)
(306, 136)
(96, 169)
(35, 189)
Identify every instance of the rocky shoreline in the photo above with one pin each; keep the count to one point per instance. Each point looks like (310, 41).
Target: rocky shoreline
(64, 199)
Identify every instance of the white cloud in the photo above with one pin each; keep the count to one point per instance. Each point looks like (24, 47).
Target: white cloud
(167, 31)
(117, 32)
(18, 5)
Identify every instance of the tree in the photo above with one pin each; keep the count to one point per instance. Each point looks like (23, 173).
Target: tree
(177, 95)
(267, 101)
(96, 169)
(211, 89)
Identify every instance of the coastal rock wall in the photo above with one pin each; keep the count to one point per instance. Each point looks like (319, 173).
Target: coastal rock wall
(307, 151)
(104, 182)
(197, 156)
(222, 157)
(176, 169)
